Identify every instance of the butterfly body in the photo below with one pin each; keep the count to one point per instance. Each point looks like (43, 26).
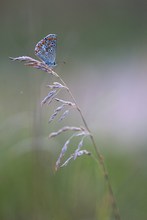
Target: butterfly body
(46, 50)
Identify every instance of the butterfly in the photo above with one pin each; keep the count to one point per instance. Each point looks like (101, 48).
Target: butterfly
(46, 50)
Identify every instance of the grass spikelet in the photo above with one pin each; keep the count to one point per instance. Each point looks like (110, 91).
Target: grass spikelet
(49, 96)
(64, 129)
(79, 154)
(56, 111)
(29, 61)
(26, 59)
(65, 163)
(79, 147)
(65, 102)
(56, 85)
(66, 145)
(63, 151)
(63, 116)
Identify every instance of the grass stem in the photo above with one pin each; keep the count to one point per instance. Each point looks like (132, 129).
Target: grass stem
(100, 158)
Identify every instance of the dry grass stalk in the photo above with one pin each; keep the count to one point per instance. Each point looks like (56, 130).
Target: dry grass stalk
(77, 131)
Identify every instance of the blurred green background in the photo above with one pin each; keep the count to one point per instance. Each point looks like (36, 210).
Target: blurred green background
(104, 46)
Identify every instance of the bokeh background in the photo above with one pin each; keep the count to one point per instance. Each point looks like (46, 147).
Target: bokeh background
(105, 49)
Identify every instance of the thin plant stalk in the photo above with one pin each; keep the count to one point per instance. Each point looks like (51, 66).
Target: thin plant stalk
(100, 158)
(28, 61)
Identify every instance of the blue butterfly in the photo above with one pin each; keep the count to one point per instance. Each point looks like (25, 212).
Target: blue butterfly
(46, 49)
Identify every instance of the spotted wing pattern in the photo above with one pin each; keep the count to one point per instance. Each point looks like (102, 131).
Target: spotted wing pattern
(46, 49)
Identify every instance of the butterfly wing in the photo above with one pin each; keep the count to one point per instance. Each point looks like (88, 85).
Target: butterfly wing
(46, 49)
